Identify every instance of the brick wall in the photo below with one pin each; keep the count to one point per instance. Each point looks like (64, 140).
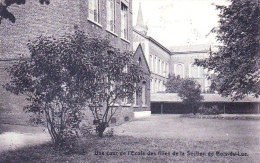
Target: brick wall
(11, 106)
(55, 19)
(140, 54)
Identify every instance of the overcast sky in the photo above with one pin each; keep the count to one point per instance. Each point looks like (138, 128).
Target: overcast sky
(179, 22)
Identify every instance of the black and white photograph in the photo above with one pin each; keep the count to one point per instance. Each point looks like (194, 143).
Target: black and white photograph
(138, 81)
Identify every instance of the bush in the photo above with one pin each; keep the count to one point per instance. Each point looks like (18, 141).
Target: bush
(110, 133)
(87, 130)
(211, 110)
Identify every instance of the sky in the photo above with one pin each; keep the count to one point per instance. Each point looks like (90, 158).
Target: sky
(179, 22)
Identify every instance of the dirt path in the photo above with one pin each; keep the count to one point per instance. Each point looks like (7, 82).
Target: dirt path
(16, 136)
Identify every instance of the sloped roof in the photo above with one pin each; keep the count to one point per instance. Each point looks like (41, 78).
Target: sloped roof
(189, 48)
(173, 97)
(153, 40)
(139, 50)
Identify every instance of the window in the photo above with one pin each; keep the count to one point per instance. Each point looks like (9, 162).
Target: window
(155, 85)
(166, 69)
(111, 15)
(159, 66)
(135, 97)
(155, 65)
(125, 69)
(179, 70)
(93, 10)
(151, 85)
(125, 100)
(163, 71)
(143, 94)
(151, 62)
(159, 85)
(193, 71)
(124, 21)
(139, 61)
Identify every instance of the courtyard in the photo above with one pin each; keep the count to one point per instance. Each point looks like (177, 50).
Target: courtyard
(159, 138)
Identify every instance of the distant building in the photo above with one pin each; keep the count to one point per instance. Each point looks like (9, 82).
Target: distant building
(182, 59)
(158, 57)
(175, 60)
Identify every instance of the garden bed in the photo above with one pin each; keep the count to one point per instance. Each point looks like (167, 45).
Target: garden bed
(224, 116)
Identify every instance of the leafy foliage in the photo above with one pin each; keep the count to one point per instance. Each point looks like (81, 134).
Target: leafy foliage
(57, 79)
(190, 94)
(210, 110)
(188, 90)
(173, 83)
(63, 76)
(118, 78)
(4, 4)
(236, 63)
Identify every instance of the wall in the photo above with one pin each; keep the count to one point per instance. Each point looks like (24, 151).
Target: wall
(152, 50)
(55, 19)
(11, 106)
(182, 64)
(139, 54)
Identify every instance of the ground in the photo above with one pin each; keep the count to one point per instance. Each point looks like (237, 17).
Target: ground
(158, 139)
(171, 126)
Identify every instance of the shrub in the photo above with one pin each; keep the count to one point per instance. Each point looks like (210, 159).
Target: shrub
(110, 133)
(211, 110)
(87, 130)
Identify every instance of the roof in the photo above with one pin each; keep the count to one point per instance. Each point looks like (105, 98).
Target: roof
(153, 40)
(173, 97)
(139, 50)
(183, 49)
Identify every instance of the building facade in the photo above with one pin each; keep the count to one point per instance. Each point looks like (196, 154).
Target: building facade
(142, 103)
(158, 57)
(111, 19)
(182, 64)
(163, 61)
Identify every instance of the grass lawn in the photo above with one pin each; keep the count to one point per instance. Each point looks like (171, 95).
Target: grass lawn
(191, 138)
(86, 148)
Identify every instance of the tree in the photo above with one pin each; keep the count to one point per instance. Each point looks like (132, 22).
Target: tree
(236, 63)
(173, 83)
(190, 94)
(57, 79)
(118, 78)
(188, 90)
(4, 4)
(62, 77)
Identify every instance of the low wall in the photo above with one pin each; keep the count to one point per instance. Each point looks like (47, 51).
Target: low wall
(142, 114)
(225, 108)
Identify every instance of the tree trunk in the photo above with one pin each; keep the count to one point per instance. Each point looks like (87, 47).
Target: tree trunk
(101, 128)
(193, 110)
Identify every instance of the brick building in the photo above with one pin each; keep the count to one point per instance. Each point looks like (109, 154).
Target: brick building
(141, 103)
(110, 19)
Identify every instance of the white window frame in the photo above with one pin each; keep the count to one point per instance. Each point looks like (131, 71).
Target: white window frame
(94, 15)
(111, 15)
(144, 94)
(124, 21)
